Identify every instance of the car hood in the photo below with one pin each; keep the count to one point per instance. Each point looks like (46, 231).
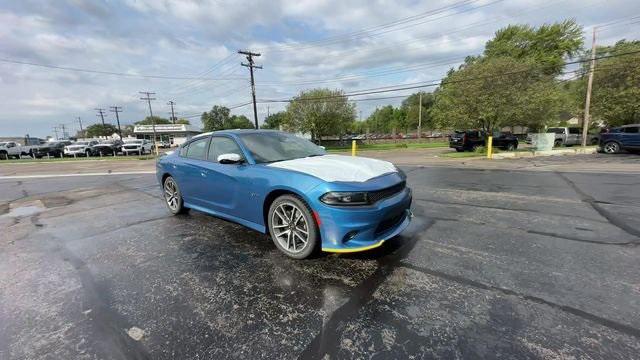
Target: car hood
(338, 167)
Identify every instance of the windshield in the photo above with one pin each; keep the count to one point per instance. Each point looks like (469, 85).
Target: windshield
(80, 143)
(269, 147)
(3, 143)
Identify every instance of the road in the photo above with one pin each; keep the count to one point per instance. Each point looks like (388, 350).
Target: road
(501, 262)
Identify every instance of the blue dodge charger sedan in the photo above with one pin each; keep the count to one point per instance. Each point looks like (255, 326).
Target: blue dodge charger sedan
(286, 186)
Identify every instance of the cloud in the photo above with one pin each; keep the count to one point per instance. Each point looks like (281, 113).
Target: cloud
(305, 43)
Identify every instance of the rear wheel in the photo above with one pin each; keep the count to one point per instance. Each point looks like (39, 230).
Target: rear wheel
(292, 227)
(557, 143)
(173, 197)
(611, 147)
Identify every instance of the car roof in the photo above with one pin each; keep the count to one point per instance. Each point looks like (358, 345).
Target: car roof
(629, 125)
(236, 132)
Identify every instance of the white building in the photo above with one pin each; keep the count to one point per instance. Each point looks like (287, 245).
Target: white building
(175, 134)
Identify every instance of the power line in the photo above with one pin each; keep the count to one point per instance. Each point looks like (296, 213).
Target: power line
(114, 73)
(438, 83)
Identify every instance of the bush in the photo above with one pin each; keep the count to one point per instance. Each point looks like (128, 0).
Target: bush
(403, 145)
(481, 150)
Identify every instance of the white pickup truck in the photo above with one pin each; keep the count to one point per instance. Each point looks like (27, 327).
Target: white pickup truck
(12, 149)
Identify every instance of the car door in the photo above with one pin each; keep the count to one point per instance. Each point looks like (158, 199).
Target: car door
(631, 136)
(226, 186)
(574, 137)
(190, 171)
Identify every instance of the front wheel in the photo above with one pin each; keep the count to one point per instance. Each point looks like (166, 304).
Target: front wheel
(557, 143)
(173, 197)
(611, 147)
(511, 147)
(292, 227)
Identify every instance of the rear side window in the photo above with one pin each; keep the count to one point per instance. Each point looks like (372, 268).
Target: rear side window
(631, 130)
(197, 149)
(556, 130)
(574, 131)
(222, 145)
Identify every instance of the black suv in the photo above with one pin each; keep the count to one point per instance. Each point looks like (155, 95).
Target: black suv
(52, 148)
(469, 140)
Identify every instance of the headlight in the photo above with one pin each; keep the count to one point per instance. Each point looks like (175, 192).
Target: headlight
(345, 198)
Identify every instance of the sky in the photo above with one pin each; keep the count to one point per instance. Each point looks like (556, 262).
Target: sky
(186, 51)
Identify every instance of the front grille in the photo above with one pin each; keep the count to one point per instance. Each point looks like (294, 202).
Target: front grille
(375, 196)
(389, 223)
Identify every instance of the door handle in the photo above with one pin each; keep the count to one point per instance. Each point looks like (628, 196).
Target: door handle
(204, 174)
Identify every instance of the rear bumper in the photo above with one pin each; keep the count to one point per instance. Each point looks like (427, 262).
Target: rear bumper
(345, 230)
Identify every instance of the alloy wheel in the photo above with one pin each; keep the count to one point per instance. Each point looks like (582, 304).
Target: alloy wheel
(171, 194)
(611, 148)
(290, 227)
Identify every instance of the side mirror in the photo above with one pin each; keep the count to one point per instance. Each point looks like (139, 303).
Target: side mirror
(230, 158)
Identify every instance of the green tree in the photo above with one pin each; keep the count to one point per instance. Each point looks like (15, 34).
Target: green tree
(615, 98)
(158, 120)
(239, 122)
(96, 130)
(183, 121)
(216, 118)
(320, 112)
(411, 107)
(274, 120)
(497, 92)
(382, 119)
(547, 45)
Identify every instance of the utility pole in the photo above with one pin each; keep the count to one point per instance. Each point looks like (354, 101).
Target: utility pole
(80, 122)
(173, 115)
(64, 131)
(147, 97)
(117, 109)
(587, 104)
(420, 116)
(101, 114)
(55, 131)
(251, 65)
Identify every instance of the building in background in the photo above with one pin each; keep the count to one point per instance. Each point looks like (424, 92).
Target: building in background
(174, 134)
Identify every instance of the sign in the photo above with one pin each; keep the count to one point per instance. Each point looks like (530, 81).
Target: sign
(163, 128)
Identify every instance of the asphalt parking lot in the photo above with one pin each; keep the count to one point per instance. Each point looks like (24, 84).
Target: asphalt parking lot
(516, 259)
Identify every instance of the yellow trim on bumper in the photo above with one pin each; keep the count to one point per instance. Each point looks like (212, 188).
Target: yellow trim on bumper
(351, 250)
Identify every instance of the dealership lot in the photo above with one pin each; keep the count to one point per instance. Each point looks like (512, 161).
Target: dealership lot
(529, 258)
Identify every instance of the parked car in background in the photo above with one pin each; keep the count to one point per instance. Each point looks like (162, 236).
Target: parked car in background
(621, 138)
(10, 149)
(470, 140)
(79, 148)
(137, 146)
(104, 148)
(51, 148)
(569, 136)
(164, 144)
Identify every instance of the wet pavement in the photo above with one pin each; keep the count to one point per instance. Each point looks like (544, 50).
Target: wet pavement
(499, 263)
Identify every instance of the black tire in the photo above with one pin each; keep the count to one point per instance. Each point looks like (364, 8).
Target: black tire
(594, 141)
(87, 153)
(511, 147)
(313, 233)
(173, 197)
(459, 150)
(611, 147)
(557, 143)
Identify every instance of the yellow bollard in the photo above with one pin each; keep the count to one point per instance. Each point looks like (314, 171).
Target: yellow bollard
(490, 147)
(353, 148)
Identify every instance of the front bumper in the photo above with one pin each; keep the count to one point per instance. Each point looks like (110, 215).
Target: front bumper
(345, 229)
(74, 152)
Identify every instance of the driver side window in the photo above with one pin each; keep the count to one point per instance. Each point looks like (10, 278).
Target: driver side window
(222, 145)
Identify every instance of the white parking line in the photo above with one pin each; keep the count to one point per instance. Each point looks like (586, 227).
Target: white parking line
(40, 176)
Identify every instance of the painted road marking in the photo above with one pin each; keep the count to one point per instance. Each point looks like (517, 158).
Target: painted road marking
(41, 176)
